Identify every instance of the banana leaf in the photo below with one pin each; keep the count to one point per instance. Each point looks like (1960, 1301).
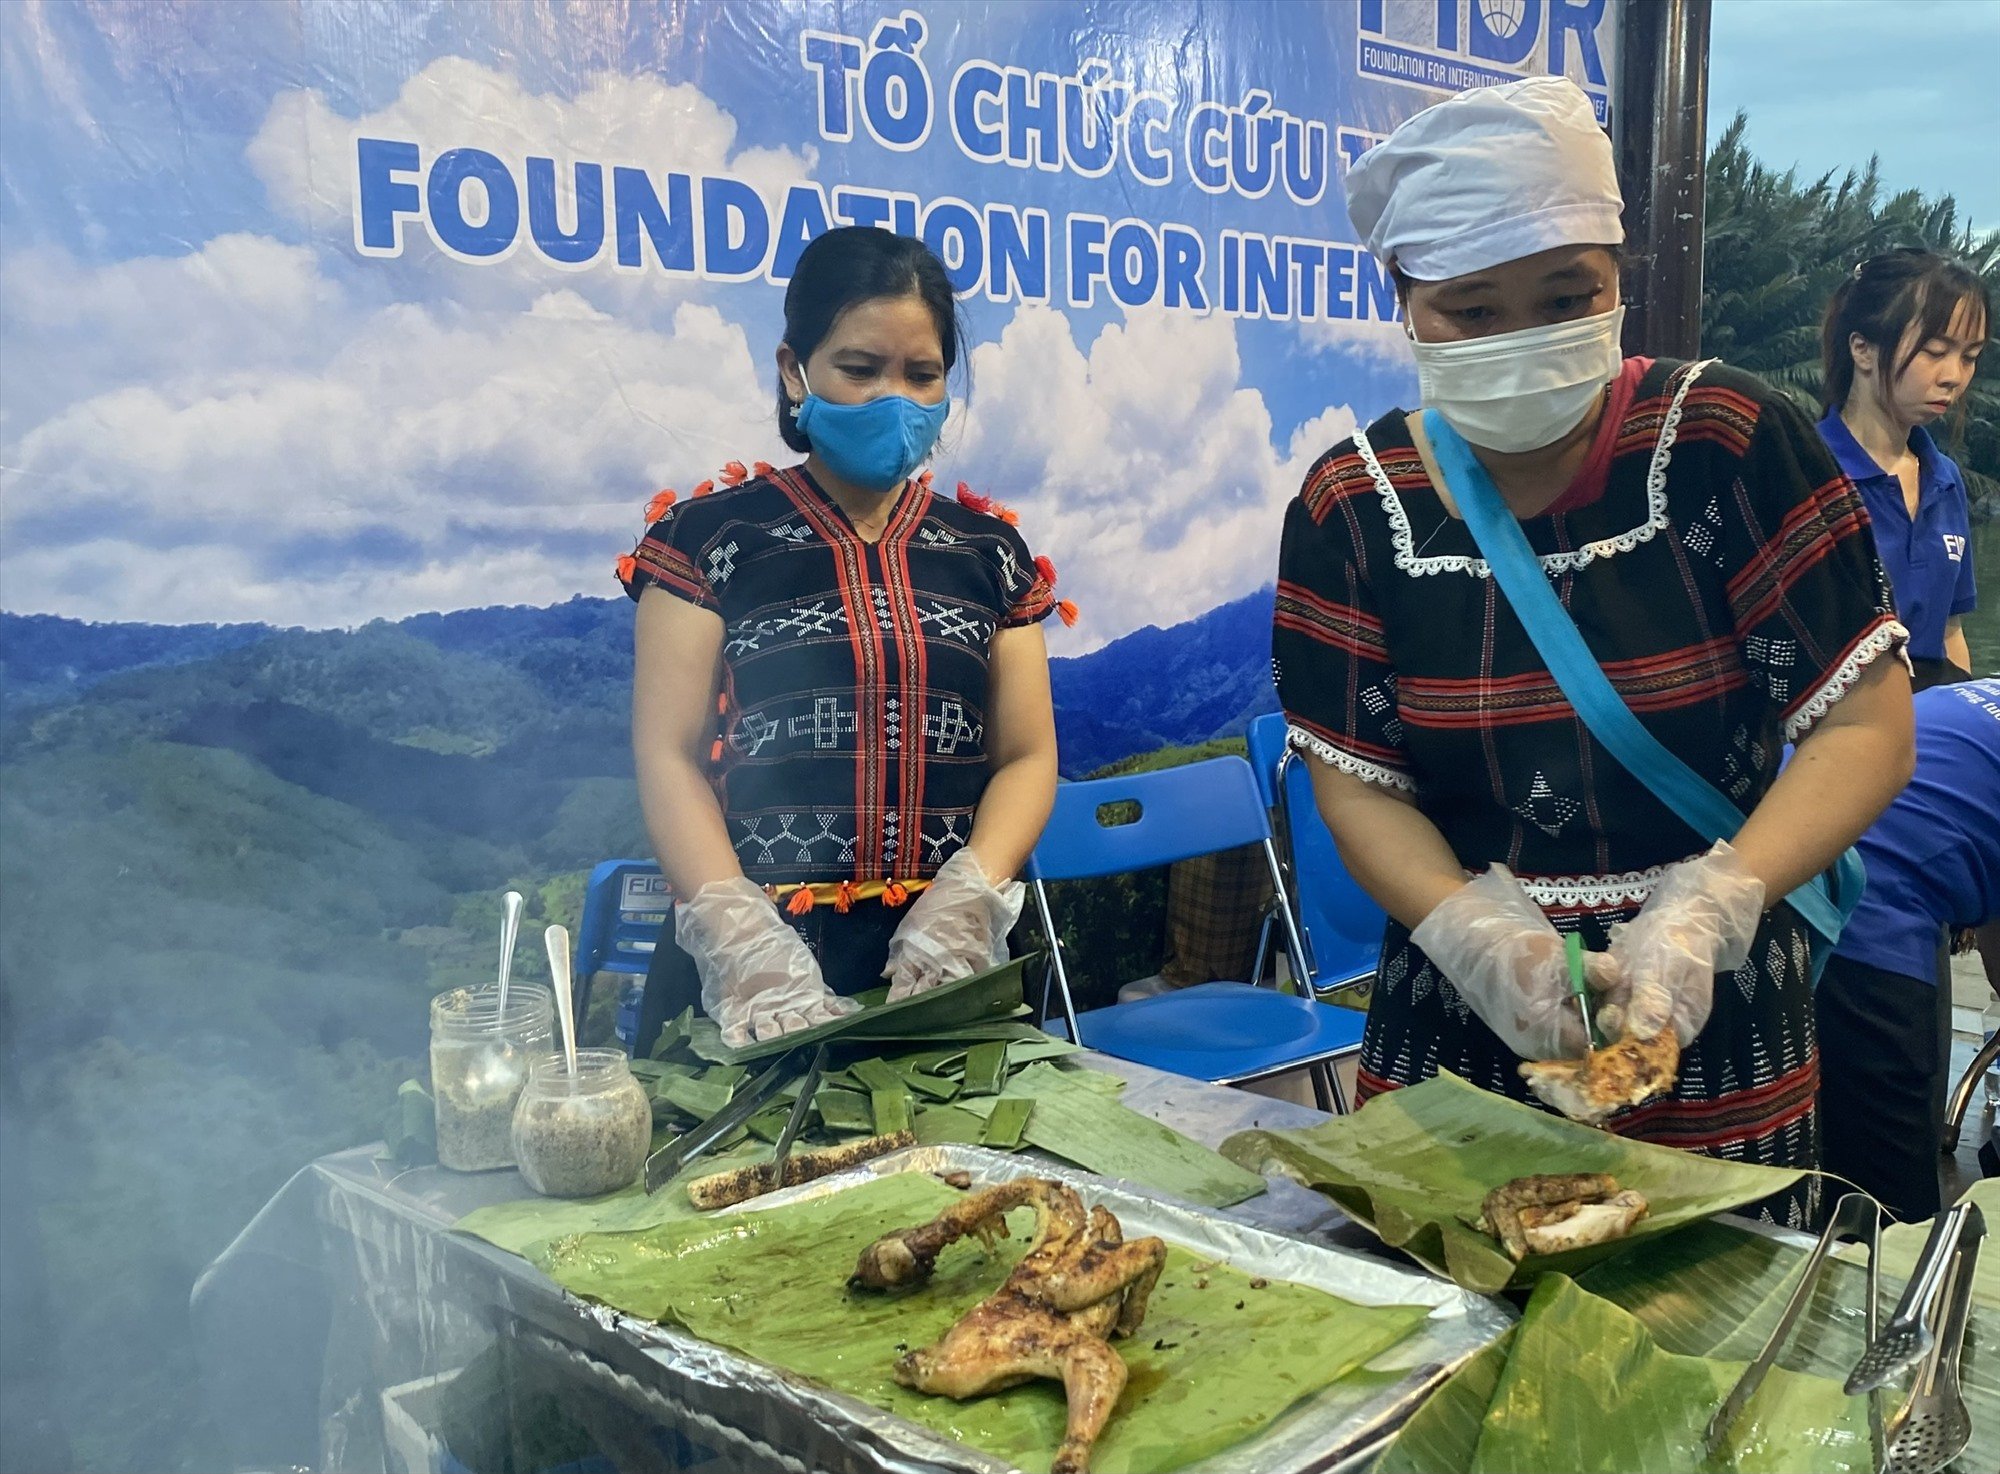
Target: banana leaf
(1716, 1290)
(1216, 1361)
(982, 998)
(1077, 1117)
(1415, 1164)
(528, 1225)
(1582, 1385)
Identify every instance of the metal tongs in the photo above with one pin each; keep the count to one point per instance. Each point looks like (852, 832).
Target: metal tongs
(1933, 1427)
(1855, 1213)
(664, 1164)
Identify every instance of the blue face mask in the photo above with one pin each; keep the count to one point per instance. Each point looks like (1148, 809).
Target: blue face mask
(876, 444)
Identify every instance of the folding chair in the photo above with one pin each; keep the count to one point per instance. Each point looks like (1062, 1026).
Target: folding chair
(624, 905)
(1338, 923)
(1227, 1033)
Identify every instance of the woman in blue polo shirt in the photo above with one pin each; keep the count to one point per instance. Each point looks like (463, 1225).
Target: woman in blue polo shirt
(1899, 346)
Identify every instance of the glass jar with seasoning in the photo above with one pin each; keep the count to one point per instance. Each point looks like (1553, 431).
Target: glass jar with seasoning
(479, 1066)
(576, 1136)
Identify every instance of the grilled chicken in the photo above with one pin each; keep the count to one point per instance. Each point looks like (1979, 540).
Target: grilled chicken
(1548, 1213)
(1078, 1284)
(1625, 1073)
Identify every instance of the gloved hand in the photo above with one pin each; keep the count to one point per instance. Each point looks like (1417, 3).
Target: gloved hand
(1497, 948)
(957, 926)
(758, 977)
(1699, 921)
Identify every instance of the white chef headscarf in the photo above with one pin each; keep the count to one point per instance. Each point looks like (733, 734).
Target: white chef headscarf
(1490, 175)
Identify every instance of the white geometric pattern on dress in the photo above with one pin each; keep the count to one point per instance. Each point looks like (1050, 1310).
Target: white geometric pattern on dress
(753, 731)
(789, 847)
(1394, 973)
(1741, 763)
(1449, 997)
(1776, 657)
(810, 619)
(1746, 980)
(892, 723)
(1704, 537)
(950, 726)
(1010, 567)
(791, 533)
(1546, 809)
(953, 622)
(722, 563)
(939, 537)
(885, 617)
(829, 722)
(1420, 986)
(892, 831)
(936, 843)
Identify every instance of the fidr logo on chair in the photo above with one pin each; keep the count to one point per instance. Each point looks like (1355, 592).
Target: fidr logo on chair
(1450, 45)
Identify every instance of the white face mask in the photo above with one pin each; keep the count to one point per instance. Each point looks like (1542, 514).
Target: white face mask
(1521, 391)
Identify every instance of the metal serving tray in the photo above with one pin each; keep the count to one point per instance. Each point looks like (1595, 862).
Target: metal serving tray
(803, 1426)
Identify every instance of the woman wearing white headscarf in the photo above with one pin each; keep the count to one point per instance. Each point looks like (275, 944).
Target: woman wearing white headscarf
(1719, 568)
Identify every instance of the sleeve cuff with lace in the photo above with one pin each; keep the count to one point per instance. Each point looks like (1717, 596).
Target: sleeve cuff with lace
(1337, 753)
(1884, 635)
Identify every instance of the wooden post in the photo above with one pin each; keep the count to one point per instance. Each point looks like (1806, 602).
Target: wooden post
(1660, 130)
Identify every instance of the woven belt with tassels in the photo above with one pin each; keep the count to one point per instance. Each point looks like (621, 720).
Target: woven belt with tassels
(842, 894)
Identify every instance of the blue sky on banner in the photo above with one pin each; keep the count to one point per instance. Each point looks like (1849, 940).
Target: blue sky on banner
(236, 413)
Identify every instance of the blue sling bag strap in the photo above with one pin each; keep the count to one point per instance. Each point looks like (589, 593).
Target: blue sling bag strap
(1824, 902)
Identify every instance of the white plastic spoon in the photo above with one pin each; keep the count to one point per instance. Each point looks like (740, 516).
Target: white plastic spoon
(556, 939)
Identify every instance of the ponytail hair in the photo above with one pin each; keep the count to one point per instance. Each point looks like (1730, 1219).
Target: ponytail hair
(1880, 300)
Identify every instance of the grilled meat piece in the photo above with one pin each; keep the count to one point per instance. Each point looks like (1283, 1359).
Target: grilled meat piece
(1625, 1073)
(1548, 1213)
(1078, 1284)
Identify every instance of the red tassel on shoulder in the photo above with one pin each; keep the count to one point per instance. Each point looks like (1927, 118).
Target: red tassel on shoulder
(628, 567)
(972, 500)
(1047, 570)
(927, 477)
(801, 901)
(705, 488)
(657, 507)
(1007, 514)
(1067, 612)
(761, 468)
(734, 474)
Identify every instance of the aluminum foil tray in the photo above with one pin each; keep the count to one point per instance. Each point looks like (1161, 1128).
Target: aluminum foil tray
(801, 1426)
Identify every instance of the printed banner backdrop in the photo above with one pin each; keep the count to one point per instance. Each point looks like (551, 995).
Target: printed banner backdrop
(325, 312)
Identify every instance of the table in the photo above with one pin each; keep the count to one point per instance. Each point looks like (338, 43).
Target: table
(349, 1284)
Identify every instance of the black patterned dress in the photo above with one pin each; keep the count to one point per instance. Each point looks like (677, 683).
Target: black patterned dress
(1726, 580)
(850, 740)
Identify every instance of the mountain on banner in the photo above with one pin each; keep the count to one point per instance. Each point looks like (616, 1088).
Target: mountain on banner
(541, 693)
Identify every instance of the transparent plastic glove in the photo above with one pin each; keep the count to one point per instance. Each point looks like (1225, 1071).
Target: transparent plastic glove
(758, 977)
(957, 926)
(1699, 921)
(1508, 964)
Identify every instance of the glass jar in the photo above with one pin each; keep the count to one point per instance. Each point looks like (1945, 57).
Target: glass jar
(582, 1135)
(479, 1064)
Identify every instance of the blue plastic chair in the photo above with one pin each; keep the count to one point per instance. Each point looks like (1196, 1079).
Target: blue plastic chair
(1223, 1032)
(1338, 922)
(623, 907)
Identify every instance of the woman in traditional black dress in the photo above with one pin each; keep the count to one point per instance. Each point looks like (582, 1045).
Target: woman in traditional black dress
(1717, 564)
(841, 714)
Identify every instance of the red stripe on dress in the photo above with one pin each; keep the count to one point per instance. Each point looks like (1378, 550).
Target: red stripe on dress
(1812, 529)
(668, 565)
(895, 551)
(1382, 757)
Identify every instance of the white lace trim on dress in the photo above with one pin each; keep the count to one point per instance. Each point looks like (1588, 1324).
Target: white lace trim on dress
(1604, 547)
(1346, 762)
(1887, 636)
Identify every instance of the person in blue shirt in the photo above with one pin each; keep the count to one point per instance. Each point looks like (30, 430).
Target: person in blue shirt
(1884, 1002)
(1898, 348)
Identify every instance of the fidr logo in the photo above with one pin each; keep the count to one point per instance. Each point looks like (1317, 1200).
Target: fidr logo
(1450, 45)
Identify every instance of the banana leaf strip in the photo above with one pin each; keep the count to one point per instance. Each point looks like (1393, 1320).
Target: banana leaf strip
(1008, 1123)
(1582, 1385)
(1205, 1375)
(1415, 1165)
(944, 1125)
(982, 998)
